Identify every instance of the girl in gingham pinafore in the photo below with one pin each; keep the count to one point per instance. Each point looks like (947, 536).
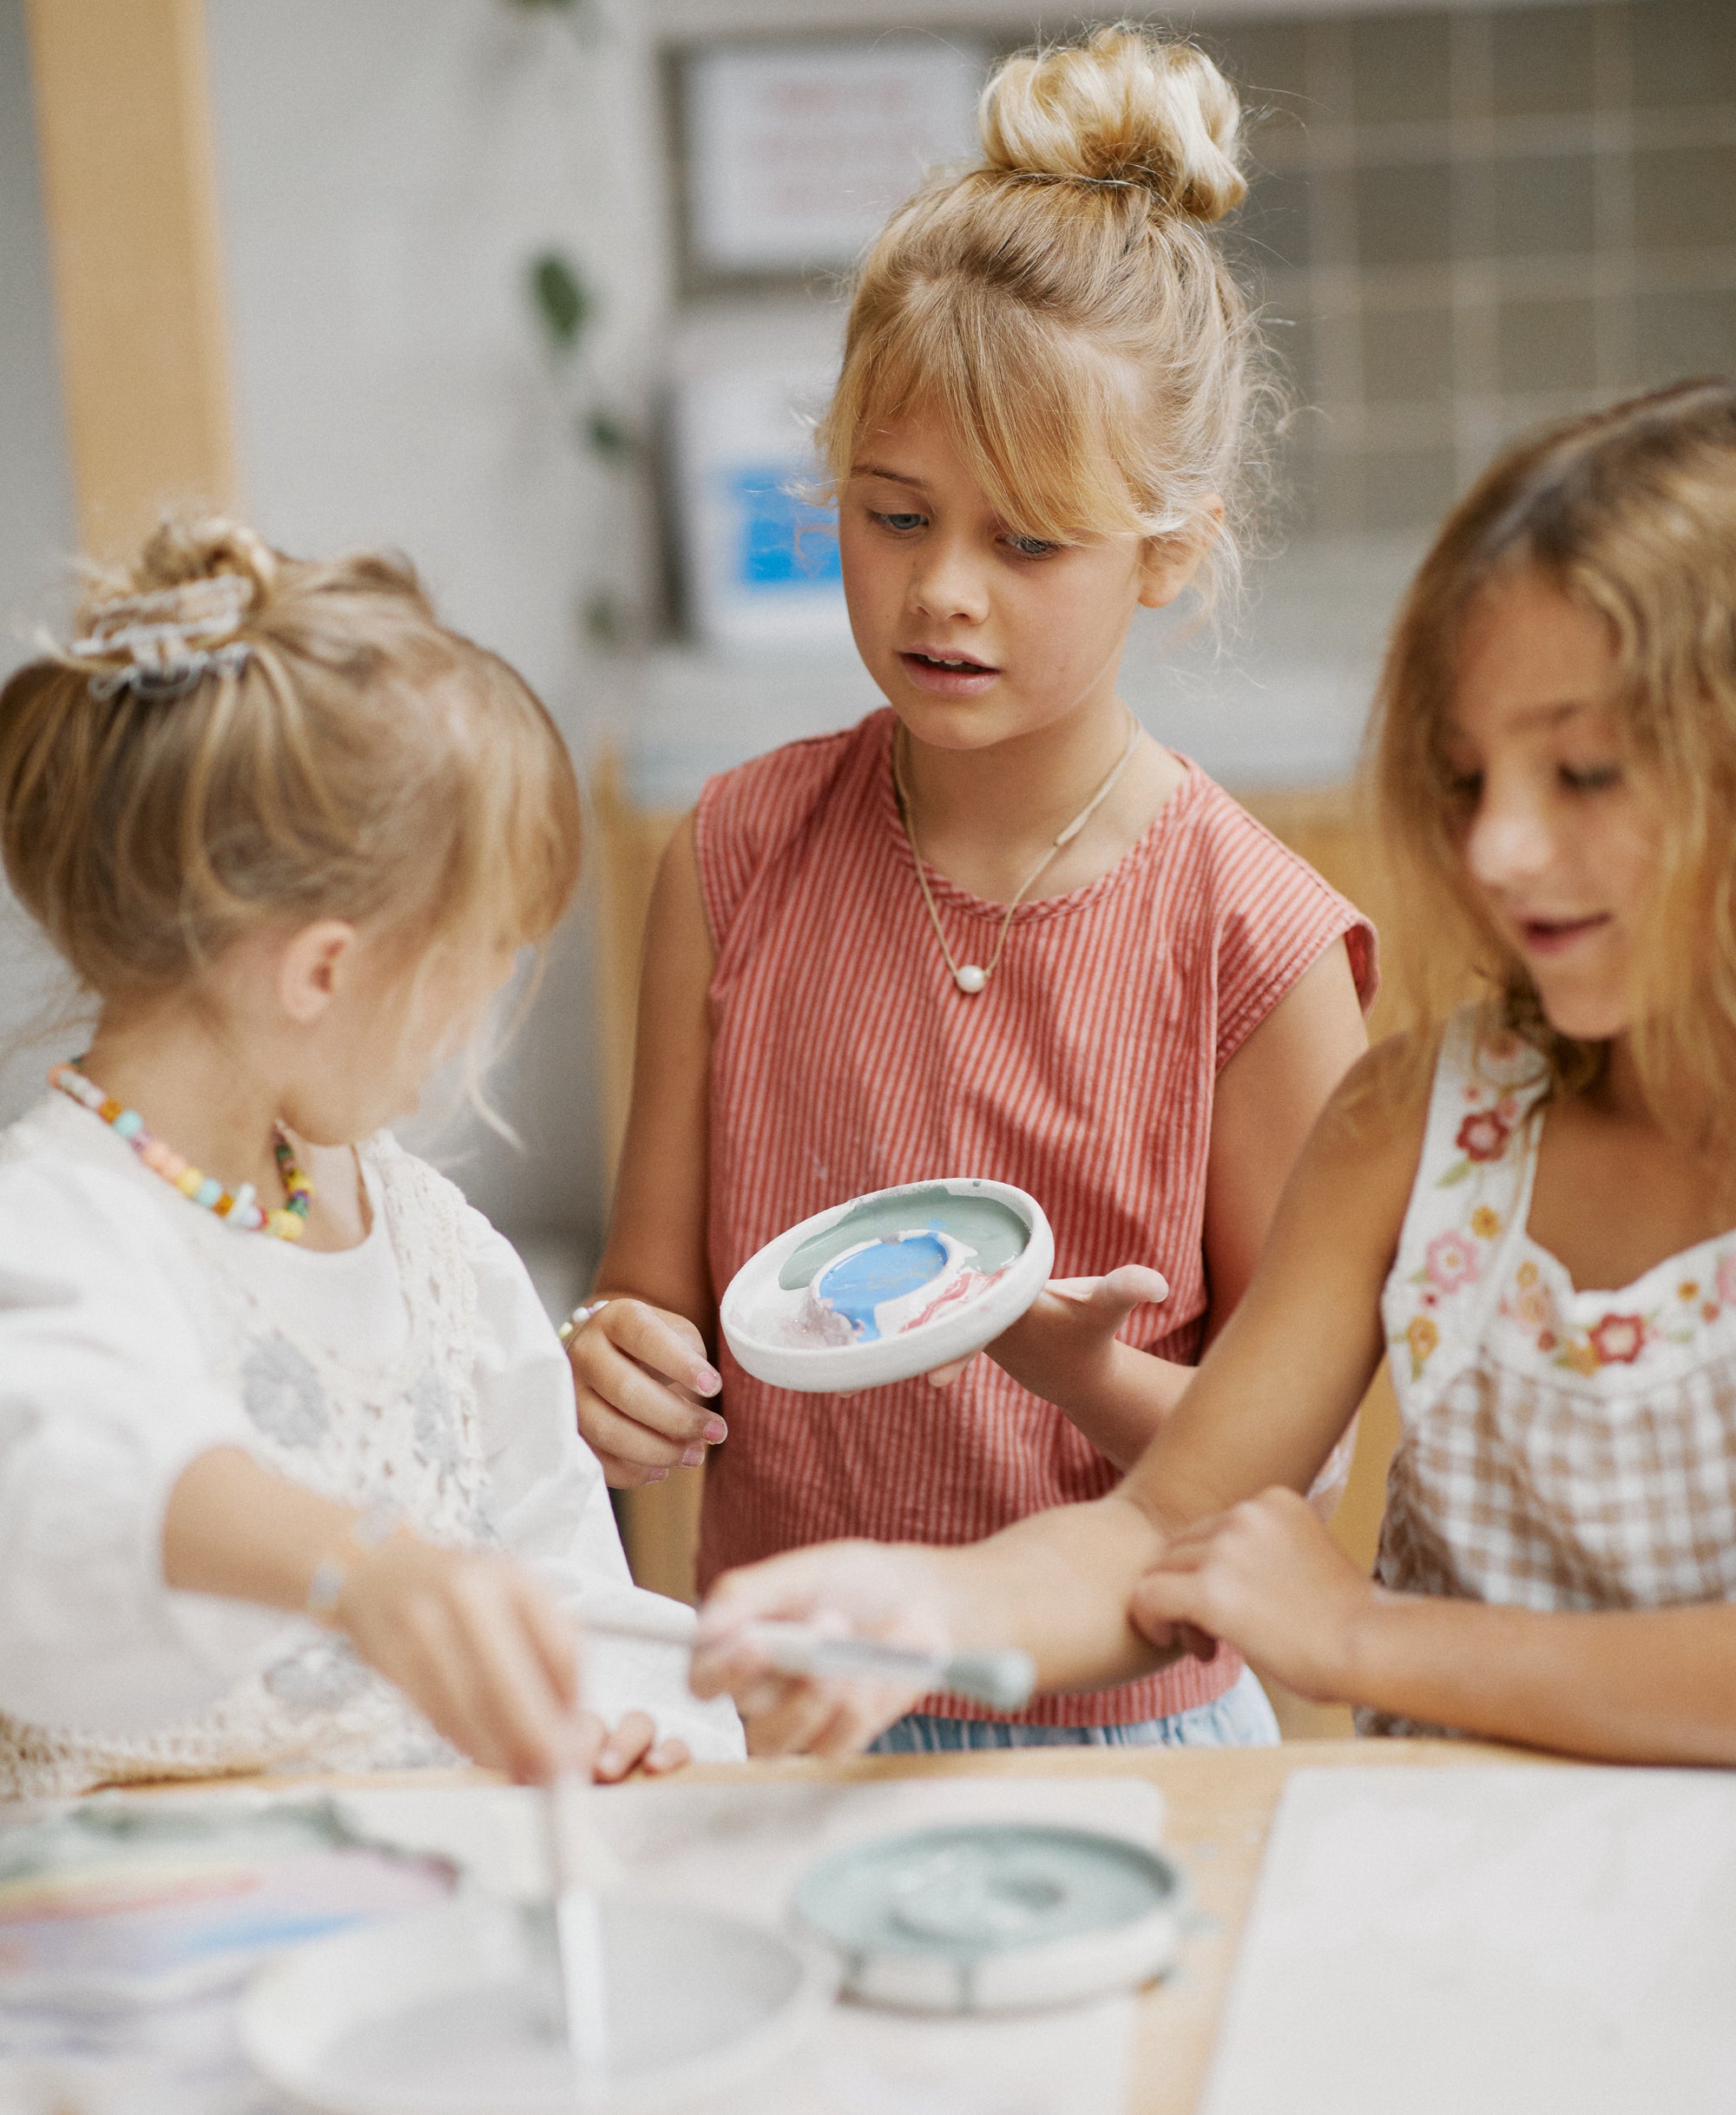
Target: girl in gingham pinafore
(1561, 1449)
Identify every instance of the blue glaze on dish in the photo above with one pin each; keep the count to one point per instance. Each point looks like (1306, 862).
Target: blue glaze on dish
(855, 1285)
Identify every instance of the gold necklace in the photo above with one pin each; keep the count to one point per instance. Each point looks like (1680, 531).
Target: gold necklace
(969, 977)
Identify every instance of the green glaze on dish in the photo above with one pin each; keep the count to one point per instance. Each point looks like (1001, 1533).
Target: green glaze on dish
(994, 1230)
(961, 1894)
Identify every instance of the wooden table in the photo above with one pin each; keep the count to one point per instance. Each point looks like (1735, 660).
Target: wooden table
(1219, 1808)
(1219, 1803)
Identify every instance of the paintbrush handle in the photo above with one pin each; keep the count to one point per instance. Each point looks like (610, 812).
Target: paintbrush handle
(578, 1862)
(1002, 1679)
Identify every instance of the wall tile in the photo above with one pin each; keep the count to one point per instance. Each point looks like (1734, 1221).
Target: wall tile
(1327, 482)
(1684, 53)
(1267, 65)
(1401, 66)
(1685, 197)
(1434, 236)
(1295, 355)
(1547, 344)
(1403, 213)
(1681, 333)
(1272, 231)
(1542, 60)
(1539, 205)
(1403, 488)
(1407, 355)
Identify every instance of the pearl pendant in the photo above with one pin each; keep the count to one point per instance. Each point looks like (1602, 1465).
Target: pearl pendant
(969, 977)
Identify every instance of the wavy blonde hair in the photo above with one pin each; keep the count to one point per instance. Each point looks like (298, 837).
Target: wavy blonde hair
(1630, 513)
(1062, 306)
(346, 756)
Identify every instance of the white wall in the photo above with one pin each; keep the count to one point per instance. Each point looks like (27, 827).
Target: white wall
(385, 172)
(36, 535)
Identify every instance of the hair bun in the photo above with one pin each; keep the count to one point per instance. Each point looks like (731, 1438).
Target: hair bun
(205, 547)
(153, 627)
(1122, 107)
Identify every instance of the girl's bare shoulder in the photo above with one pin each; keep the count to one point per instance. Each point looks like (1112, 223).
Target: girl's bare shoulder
(1379, 1111)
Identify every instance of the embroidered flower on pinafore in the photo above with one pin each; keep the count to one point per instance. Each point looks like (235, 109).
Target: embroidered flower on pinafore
(1455, 1259)
(1619, 1336)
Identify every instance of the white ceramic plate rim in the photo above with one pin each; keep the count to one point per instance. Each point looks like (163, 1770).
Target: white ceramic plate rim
(262, 2035)
(827, 1368)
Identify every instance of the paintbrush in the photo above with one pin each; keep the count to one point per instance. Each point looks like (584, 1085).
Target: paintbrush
(1003, 1678)
(577, 1860)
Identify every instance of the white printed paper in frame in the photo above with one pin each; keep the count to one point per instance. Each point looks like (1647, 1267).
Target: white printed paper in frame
(796, 153)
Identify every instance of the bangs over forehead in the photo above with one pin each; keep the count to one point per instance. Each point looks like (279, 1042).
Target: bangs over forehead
(1045, 420)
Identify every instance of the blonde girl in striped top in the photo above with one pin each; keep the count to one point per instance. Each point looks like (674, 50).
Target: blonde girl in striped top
(996, 928)
(1529, 1208)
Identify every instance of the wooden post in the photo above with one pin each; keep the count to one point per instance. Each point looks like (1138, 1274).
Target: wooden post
(123, 125)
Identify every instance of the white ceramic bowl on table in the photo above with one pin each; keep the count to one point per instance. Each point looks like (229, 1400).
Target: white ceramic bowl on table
(989, 1230)
(444, 2013)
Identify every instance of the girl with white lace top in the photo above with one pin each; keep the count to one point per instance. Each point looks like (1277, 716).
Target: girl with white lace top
(289, 1476)
(1529, 1205)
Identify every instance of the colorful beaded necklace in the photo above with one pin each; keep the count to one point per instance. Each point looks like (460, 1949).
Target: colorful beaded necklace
(240, 1208)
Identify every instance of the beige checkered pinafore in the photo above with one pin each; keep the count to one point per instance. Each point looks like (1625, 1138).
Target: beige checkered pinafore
(1561, 1448)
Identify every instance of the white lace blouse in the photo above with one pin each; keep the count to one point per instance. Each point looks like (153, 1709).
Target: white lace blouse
(137, 1331)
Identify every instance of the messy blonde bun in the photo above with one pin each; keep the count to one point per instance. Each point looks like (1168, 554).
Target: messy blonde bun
(235, 737)
(1063, 307)
(1121, 108)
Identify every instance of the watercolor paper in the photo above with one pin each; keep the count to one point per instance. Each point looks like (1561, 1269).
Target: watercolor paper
(1503, 1940)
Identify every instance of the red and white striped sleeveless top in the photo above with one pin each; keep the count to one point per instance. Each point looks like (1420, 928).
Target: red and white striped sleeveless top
(844, 1059)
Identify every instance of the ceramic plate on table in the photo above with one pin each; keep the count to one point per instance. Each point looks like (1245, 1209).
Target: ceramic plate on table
(995, 1916)
(888, 1285)
(452, 2014)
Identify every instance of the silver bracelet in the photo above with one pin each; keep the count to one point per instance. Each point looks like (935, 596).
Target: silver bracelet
(575, 1322)
(367, 1531)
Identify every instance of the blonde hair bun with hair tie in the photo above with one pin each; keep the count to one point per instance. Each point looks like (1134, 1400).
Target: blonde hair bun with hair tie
(237, 737)
(159, 627)
(1063, 307)
(1123, 108)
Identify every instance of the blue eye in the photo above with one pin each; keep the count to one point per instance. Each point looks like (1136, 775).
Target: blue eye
(1031, 547)
(900, 524)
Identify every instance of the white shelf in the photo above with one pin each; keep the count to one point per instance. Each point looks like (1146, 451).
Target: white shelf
(1281, 703)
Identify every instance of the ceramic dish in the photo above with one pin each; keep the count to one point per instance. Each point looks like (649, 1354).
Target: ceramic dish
(450, 2013)
(994, 1916)
(888, 1285)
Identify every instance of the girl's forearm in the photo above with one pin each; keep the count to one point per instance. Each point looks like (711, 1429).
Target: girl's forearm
(1117, 1397)
(1056, 1585)
(1120, 1408)
(1635, 1687)
(235, 1528)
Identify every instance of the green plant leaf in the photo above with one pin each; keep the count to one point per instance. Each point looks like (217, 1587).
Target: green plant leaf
(606, 437)
(564, 301)
(605, 622)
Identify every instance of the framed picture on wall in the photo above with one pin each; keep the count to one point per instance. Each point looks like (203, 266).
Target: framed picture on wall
(759, 547)
(792, 154)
